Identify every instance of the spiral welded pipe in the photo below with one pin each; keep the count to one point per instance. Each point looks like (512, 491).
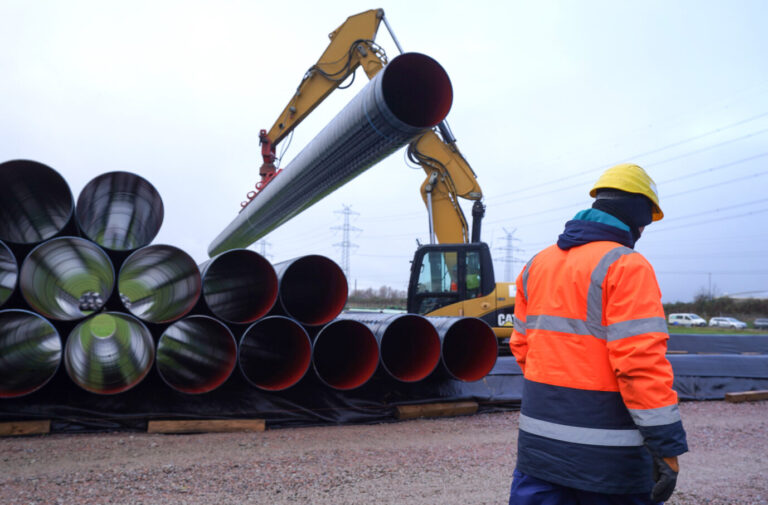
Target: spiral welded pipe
(66, 278)
(239, 286)
(9, 274)
(196, 354)
(30, 352)
(409, 344)
(120, 211)
(468, 346)
(311, 289)
(109, 353)
(274, 353)
(159, 283)
(345, 354)
(408, 96)
(36, 204)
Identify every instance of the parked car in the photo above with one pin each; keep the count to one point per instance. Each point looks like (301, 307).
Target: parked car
(761, 323)
(727, 322)
(686, 320)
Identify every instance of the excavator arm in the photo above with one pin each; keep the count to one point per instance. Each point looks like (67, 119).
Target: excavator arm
(449, 176)
(351, 46)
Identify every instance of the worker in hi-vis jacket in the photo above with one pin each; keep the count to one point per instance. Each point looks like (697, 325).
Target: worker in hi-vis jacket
(599, 421)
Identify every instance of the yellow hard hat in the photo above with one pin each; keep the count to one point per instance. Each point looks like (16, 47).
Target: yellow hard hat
(632, 179)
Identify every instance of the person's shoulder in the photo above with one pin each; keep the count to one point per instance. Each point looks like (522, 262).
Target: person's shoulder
(635, 259)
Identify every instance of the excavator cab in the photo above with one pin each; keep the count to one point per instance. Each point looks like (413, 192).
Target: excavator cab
(448, 274)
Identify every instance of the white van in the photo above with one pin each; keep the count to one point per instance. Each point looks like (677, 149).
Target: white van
(686, 320)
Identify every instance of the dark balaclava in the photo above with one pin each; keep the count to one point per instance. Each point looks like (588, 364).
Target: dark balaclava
(633, 209)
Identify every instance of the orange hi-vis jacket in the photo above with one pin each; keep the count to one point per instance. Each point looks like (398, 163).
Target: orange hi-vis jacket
(590, 336)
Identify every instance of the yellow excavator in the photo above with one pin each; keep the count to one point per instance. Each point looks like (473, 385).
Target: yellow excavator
(453, 275)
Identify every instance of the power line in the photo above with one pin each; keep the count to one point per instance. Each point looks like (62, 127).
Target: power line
(692, 190)
(509, 256)
(345, 244)
(720, 209)
(646, 153)
(707, 221)
(263, 245)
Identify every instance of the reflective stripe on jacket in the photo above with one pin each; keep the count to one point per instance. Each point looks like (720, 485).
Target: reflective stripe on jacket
(590, 336)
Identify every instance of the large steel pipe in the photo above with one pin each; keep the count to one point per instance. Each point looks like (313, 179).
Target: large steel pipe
(196, 354)
(311, 289)
(409, 344)
(275, 353)
(30, 352)
(67, 278)
(239, 286)
(35, 203)
(469, 346)
(9, 273)
(411, 94)
(345, 354)
(159, 283)
(109, 353)
(120, 211)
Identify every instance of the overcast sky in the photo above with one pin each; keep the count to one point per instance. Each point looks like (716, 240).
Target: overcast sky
(546, 96)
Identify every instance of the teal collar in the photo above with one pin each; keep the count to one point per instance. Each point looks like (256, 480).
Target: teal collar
(598, 216)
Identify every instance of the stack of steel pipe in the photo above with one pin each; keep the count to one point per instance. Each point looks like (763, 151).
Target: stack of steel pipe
(81, 283)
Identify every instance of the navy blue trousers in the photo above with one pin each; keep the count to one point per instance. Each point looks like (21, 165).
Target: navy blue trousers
(527, 490)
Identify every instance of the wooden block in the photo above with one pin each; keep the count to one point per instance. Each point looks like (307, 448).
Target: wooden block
(25, 428)
(747, 396)
(206, 426)
(436, 410)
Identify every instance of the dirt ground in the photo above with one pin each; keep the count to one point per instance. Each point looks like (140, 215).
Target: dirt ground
(462, 460)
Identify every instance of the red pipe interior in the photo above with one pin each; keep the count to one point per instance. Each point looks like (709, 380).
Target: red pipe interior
(313, 290)
(345, 354)
(275, 353)
(469, 349)
(240, 286)
(417, 90)
(410, 348)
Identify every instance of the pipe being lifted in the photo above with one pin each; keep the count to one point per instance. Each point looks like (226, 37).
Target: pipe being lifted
(35, 203)
(408, 96)
(109, 353)
(469, 346)
(67, 278)
(159, 283)
(30, 352)
(9, 273)
(311, 289)
(239, 286)
(120, 211)
(409, 344)
(345, 354)
(196, 354)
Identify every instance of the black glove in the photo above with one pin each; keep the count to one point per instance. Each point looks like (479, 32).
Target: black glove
(665, 478)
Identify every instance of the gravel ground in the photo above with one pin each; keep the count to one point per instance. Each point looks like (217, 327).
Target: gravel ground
(463, 460)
